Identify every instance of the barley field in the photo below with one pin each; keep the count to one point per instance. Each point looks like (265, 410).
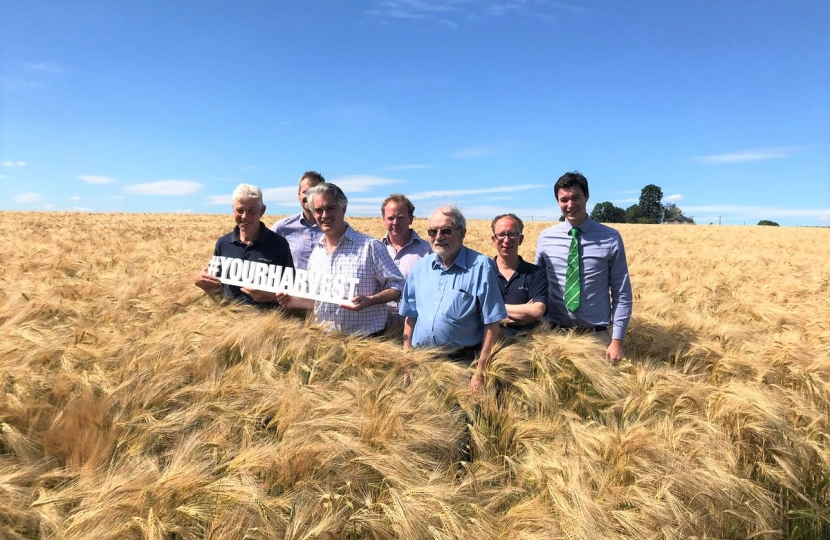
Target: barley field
(133, 406)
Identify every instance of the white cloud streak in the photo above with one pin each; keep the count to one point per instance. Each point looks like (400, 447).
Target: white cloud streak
(27, 197)
(408, 167)
(97, 180)
(474, 152)
(164, 187)
(677, 197)
(45, 67)
(757, 212)
(746, 156)
(13, 164)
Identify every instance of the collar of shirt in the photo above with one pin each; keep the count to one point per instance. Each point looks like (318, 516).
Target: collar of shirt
(583, 227)
(306, 222)
(350, 235)
(236, 240)
(460, 260)
(414, 238)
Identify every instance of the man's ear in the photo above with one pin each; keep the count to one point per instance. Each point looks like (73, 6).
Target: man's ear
(263, 209)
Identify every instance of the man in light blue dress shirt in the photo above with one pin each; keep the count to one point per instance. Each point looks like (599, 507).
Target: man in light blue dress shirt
(452, 297)
(605, 288)
(301, 230)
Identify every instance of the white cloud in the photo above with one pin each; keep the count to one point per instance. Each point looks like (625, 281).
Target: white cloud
(45, 67)
(408, 167)
(48, 206)
(27, 197)
(449, 24)
(3, 177)
(285, 123)
(677, 197)
(74, 198)
(248, 168)
(13, 84)
(283, 195)
(13, 164)
(359, 183)
(185, 211)
(82, 209)
(474, 151)
(92, 179)
(457, 193)
(759, 154)
(164, 187)
(759, 212)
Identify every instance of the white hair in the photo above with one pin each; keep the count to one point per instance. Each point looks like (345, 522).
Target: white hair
(452, 212)
(247, 191)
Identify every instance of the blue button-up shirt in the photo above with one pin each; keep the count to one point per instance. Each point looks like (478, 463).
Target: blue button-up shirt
(605, 297)
(452, 305)
(302, 236)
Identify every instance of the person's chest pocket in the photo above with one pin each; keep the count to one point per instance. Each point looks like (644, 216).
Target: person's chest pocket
(595, 260)
(463, 306)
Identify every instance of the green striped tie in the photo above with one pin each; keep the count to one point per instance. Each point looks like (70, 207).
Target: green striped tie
(572, 276)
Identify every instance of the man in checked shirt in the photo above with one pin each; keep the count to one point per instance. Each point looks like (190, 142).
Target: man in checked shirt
(342, 251)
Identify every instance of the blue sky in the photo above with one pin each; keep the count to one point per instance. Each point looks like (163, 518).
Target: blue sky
(165, 106)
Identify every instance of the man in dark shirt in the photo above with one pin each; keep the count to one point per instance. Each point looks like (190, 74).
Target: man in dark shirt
(524, 286)
(250, 241)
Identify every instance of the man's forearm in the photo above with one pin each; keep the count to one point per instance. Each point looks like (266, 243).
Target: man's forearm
(385, 296)
(526, 313)
(491, 335)
(408, 327)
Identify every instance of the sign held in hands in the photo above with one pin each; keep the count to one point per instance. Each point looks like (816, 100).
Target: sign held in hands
(335, 289)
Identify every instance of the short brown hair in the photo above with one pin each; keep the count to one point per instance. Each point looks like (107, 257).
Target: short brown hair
(313, 176)
(514, 217)
(400, 199)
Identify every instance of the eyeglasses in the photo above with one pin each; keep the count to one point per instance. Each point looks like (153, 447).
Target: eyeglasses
(504, 235)
(444, 232)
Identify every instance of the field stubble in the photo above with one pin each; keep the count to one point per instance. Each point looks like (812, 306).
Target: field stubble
(133, 406)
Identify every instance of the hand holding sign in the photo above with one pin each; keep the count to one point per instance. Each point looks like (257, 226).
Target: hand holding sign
(359, 303)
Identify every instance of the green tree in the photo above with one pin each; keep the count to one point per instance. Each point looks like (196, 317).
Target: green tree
(632, 213)
(671, 211)
(768, 223)
(651, 203)
(606, 212)
(562, 217)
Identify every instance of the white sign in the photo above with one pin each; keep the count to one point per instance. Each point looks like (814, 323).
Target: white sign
(273, 278)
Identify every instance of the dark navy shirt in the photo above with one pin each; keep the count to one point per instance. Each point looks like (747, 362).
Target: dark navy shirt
(269, 247)
(528, 282)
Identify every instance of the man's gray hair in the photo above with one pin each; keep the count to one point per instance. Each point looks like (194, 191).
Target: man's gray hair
(326, 189)
(247, 191)
(452, 212)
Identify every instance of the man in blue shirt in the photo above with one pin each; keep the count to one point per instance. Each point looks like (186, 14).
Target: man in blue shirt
(301, 230)
(251, 241)
(604, 298)
(451, 298)
(524, 286)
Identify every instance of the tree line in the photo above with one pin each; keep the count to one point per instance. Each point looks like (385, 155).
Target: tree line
(649, 210)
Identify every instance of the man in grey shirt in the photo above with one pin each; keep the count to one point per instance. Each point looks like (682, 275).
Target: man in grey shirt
(599, 296)
(301, 230)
